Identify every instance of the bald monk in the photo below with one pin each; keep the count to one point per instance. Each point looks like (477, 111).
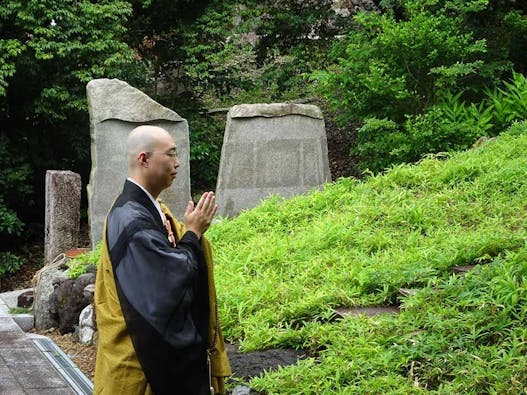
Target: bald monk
(155, 299)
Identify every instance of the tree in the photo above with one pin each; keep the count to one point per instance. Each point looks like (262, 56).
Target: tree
(387, 67)
(398, 62)
(49, 51)
(417, 75)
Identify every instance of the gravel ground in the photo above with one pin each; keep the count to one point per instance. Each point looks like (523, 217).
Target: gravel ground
(83, 356)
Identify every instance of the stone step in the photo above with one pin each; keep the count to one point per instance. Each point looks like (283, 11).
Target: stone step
(8, 301)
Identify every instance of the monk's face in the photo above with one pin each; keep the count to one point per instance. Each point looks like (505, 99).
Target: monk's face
(163, 163)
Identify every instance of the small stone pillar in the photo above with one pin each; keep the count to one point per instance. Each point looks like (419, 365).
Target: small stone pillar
(63, 199)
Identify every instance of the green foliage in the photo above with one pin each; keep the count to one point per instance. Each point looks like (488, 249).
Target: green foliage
(83, 38)
(461, 335)
(206, 139)
(49, 51)
(9, 263)
(508, 103)
(380, 142)
(386, 67)
(294, 38)
(219, 60)
(283, 266)
(14, 192)
(81, 263)
(452, 124)
(19, 310)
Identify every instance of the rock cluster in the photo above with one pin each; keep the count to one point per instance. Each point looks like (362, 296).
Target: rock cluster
(66, 304)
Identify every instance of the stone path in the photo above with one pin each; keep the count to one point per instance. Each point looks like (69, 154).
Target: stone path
(33, 364)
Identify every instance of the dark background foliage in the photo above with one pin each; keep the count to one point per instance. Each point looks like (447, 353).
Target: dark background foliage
(396, 79)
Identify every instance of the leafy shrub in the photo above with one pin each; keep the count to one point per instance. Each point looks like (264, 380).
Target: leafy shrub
(380, 143)
(388, 67)
(10, 263)
(14, 188)
(82, 262)
(448, 126)
(206, 138)
(508, 103)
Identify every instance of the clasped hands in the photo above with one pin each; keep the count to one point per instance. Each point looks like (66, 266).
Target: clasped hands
(198, 218)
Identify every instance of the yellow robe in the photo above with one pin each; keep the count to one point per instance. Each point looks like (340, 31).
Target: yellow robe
(117, 369)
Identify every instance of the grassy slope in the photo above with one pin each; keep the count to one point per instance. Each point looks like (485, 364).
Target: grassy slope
(282, 267)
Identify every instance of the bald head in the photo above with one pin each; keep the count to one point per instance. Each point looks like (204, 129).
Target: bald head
(152, 158)
(144, 138)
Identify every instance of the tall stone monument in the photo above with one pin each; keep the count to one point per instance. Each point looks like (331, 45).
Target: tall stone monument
(270, 149)
(62, 217)
(115, 110)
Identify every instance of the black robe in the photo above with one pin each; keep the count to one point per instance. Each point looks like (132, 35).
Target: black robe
(163, 292)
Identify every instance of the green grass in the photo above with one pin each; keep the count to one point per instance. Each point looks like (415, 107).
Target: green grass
(19, 310)
(282, 267)
(80, 264)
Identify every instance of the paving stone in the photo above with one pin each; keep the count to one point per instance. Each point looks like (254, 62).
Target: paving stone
(50, 391)
(37, 376)
(25, 321)
(8, 385)
(24, 369)
(8, 325)
(26, 355)
(11, 341)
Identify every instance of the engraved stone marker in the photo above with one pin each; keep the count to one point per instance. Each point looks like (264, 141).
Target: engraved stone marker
(270, 149)
(62, 217)
(115, 110)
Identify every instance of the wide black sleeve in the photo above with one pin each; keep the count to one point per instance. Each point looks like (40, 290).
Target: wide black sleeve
(158, 281)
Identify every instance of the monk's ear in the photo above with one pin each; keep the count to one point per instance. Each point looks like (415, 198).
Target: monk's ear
(142, 158)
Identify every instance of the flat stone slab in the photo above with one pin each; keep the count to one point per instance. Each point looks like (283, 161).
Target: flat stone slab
(368, 311)
(462, 269)
(251, 364)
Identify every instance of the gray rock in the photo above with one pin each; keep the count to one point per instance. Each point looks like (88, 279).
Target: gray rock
(44, 318)
(89, 292)
(86, 328)
(275, 110)
(115, 110)
(241, 390)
